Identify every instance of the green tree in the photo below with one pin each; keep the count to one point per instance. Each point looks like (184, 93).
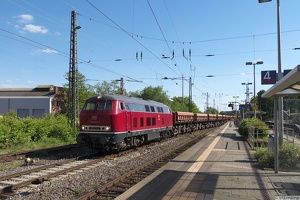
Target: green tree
(292, 104)
(157, 94)
(152, 93)
(107, 88)
(266, 105)
(85, 91)
(176, 105)
(211, 110)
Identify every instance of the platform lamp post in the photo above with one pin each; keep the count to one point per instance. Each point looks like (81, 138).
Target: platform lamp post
(236, 97)
(247, 92)
(254, 64)
(278, 121)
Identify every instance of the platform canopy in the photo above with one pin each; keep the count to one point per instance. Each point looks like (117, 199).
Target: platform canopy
(289, 85)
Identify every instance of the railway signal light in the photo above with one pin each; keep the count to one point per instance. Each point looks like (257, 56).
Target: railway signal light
(230, 105)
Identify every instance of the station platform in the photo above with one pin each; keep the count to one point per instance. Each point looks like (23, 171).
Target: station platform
(221, 166)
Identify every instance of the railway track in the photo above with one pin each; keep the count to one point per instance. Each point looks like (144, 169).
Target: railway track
(23, 154)
(24, 183)
(119, 185)
(18, 182)
(10, 183)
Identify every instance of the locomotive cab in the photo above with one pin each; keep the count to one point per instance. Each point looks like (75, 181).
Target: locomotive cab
(99, 121)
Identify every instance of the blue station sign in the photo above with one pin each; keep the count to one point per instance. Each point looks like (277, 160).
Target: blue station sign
(268, 77)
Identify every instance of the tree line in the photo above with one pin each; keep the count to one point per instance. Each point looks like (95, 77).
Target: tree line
(87, 90)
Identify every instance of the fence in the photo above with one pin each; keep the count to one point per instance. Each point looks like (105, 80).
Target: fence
(257, 137)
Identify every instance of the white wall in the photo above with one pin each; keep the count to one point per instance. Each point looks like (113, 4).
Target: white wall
(26, 106)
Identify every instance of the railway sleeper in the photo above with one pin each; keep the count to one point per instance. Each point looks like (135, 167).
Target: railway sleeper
(123, 185)
(109, 195)
(115, 189)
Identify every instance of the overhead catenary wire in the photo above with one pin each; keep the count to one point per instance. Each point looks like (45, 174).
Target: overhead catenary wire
(175, 63)
(66, 55)
(173, 42)
(130, 36)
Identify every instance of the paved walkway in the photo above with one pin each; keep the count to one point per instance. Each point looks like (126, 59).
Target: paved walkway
(221, 166)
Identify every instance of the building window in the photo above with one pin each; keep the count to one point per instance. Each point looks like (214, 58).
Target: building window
(23, 113)
(38, 113)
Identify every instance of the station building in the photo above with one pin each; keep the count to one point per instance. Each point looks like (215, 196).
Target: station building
(32, 102)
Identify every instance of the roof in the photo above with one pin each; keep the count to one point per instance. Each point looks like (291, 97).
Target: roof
(127, 99)
(289, 85)
(40, 90)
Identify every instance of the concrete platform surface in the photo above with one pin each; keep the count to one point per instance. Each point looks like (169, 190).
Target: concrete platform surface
(221, 166)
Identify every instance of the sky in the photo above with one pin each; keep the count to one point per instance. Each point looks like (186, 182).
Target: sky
(143, 41)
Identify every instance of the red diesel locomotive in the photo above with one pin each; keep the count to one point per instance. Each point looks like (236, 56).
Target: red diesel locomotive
(116, 122)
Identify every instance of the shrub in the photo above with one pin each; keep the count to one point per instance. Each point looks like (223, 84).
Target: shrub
(264, 158)
(28, 131)
(255, 122)
(289, 156)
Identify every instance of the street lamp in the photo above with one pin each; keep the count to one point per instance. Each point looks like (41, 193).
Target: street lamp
(278, 32)
(254, 64)
(278, 124)
(247, 92)
(235, 104)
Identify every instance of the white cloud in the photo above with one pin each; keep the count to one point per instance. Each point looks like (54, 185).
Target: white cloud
(25, 18)
(48, 51)
(35, 29)
(57, 33)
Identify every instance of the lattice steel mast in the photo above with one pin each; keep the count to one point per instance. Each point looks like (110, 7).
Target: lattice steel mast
(73, 105)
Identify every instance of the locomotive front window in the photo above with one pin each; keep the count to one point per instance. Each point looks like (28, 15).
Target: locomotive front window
(147, 108)
(166, 110)
(104, 105)
(152, 108)
(89, 106)
(121, 106)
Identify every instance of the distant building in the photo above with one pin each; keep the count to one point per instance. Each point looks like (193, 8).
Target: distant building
(32, 102)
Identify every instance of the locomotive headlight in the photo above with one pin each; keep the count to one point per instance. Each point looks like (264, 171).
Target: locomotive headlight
(107, 128)
(95, 128)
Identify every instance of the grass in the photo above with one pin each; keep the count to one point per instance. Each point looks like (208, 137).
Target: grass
(14, 164)
(48, 142)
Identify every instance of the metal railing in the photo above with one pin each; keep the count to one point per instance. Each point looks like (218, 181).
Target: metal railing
(257, 137)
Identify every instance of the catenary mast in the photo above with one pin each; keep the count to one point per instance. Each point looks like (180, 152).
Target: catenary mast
(73, 105)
